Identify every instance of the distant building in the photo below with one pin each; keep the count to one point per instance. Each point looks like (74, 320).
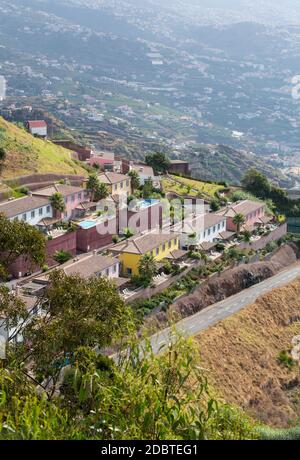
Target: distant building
(179, 167)
(38, 128)
(145, 172)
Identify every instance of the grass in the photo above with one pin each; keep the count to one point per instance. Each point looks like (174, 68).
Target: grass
(26, 154)
(190, 187)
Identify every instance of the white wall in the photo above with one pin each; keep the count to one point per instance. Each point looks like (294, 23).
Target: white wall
(207, 235)
(34, 220)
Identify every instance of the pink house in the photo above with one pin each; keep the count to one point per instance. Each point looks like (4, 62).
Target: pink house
(72, 195)
(105, 161)
(253, 211)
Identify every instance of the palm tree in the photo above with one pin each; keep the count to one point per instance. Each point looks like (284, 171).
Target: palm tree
(147, 267)
(247, 236)
(58, 203)
(135, 180)
(101, 192)
(92, 185)
(239, 220)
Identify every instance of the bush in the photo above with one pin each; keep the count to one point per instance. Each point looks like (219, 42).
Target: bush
(62, 257)
(286, 360)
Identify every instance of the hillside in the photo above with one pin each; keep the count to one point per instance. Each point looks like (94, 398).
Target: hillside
(221, 162)
(26, 154)
(242, 355)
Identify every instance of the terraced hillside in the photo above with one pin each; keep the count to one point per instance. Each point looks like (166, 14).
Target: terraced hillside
(25, 154)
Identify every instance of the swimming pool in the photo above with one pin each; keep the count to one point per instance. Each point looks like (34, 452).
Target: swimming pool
(86, 224)
(147, 203)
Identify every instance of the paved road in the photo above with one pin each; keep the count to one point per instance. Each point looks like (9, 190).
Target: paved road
(210, 316)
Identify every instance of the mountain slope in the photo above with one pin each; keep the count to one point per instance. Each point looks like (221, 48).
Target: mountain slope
(26, 154)
(242, 355)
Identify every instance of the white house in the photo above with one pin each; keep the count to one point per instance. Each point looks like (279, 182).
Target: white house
(145, 172)
(38, 128)
(205, 228)
(30, 209)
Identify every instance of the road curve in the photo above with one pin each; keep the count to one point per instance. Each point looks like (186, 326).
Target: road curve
(210, 316)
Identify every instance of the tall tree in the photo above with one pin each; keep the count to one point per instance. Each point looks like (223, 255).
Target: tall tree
(58, 203)
(256, 183)
(18, 239)
(147, 268)
(92, 186)
(159, 162)
(101, 192)
(135, 180)
(239, 220)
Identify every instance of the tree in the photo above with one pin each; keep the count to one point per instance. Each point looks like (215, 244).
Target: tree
(57, 202)
(215, 205)
(19, 239)
(256, 183)
(246, 236)
(239, 220)
(92, 186)
(148, 188)
(147, 268)
(76, 313)
(159, 162)
(135, 180)
(101, 192)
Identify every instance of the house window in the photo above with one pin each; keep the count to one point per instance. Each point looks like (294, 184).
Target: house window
(129, 271)
(41, 211)
(122, 184)
(32, 214)
(170, 244)
(48, 209)
(79, 196)
(116, 187)
(138, 224)
(107, 272)
(115, 269)
(127, 183)
(214, 229)
(24, 217)
(157, 251)
(164, 248)
(219, 226)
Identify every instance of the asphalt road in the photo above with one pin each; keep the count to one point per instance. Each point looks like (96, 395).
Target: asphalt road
(210, 316)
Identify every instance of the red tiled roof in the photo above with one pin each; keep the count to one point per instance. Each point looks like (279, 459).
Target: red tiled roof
(37, 124)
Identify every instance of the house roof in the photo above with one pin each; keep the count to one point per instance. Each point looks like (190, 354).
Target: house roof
(227, 235)
(63, 189)
(21, 205)
(177, 254)
(244, 207)
(143, 243)
(37, 124)
(179, 162)
(89, 266)
(199, 223)
(112, 178)
(143, 169)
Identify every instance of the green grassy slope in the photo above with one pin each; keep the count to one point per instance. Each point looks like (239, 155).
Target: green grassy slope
(26, 154)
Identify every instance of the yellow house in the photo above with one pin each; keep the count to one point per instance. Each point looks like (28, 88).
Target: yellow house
(117, 184)
(131, 251)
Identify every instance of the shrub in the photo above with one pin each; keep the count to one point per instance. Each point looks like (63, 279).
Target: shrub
(286, 360)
